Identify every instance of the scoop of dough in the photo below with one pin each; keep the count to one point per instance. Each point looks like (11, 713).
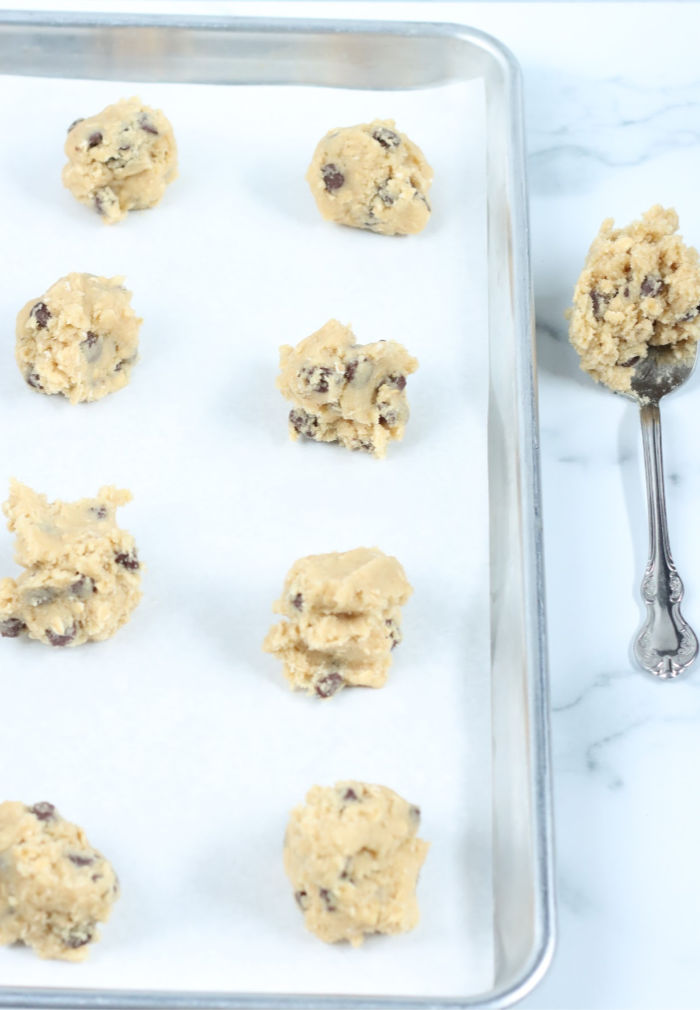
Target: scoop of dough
(82, 573)
(122, 159)
(54, 886)
(371, 176)
(346, 392)
(80, 338)
(342, 619)
(353, 858)
(640, 287)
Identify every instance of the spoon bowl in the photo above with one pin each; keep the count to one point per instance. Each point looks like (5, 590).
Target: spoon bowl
(663, 370)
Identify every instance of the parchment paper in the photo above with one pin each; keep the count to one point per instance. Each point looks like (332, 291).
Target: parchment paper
(177, 744)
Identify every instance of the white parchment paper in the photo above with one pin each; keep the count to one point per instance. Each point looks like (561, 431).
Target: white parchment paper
(177, 744)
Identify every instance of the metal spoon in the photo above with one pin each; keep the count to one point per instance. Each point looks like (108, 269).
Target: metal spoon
(666, 644)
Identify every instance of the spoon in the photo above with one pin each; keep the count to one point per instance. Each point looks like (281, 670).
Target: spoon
(666, 644)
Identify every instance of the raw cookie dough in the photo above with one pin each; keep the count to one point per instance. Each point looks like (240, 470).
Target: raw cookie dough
(371, 176)
(640, 286)
(54, 887)
(346, 392)
(353, 859)
(82, 577)
(343, 618)
(121, 159)
(79, 339)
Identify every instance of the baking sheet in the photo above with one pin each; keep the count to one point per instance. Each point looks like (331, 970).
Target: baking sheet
(177, 744)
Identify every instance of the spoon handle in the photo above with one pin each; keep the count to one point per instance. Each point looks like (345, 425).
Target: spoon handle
(666, 644)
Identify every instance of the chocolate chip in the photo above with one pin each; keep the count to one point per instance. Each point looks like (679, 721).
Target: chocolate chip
(394, 632)
(303, 423)
(301, 898)
(384, 195)
(327, 899)
(146, 125)
(346, 873)
(41, 596)
(386, 137)
(651, 286)
(94, 139)
(104, 199)
(129, 560)
(690, 315)
(316, 377)
(91, 346)
(11, 627)
(365, 445)
(599, 303)
(98, 511)
(626, 292)
(33, 379)
(350, 796)
(75, 123)
(350, 370)
(329, 685)
(125, 147)
(59, 640)
(43, 811)
(322, 383)
(298, 601)
(630, 362)
(82, 587)
(41, 313)
(332, 177)
(79, 938)
(95, 877)
(397, 381)
(81, 860)
(417, 195)
(387, 417)
(414, 813)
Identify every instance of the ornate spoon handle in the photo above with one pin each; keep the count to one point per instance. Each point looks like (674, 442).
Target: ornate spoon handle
(666, 644)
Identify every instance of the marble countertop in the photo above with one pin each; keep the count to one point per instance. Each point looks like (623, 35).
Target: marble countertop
(613, 124)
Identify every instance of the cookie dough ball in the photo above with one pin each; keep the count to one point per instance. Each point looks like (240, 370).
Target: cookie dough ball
(342, 619)
(122, 159)
(353, 858)
(82, 573)
(54, 886)
(80, 338)
(371, 176)
(346, 392)
(640, 287)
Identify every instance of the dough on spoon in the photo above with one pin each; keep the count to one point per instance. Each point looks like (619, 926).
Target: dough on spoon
(640, 287)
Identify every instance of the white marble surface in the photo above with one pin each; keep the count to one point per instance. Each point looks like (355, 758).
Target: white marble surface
(613, 122)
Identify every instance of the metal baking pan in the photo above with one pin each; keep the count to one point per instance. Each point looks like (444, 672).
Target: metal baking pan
(388, 55)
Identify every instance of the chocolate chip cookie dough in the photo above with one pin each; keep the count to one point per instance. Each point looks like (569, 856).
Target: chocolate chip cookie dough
(353, 858)
(346, 392)
(371, 176)
(640, 287)
(80, 338)
(122, 159)
(82, 573)
(342, 619)
(54, 886)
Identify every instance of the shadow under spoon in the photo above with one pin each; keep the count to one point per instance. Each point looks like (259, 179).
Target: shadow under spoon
(666, 644)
